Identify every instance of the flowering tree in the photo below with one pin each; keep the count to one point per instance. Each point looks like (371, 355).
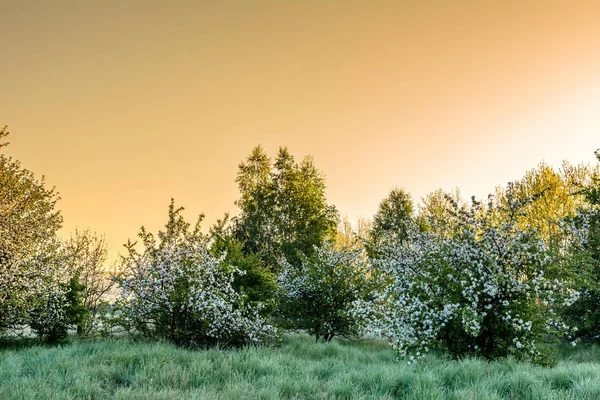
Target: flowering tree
(481, 290)
(176, 290)
(30, 268)
(318, 295)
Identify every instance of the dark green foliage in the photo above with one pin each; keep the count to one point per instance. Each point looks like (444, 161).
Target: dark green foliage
(258, 284)
(394, 216)
(76, 311)
(284, 211)
(48, 320)
(585, 313)
(393, 220)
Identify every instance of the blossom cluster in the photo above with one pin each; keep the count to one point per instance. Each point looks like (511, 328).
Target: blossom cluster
(482, 290)
(180, 292)
(30, 265)
(318, 294)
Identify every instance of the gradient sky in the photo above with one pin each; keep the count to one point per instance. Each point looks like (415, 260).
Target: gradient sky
(125, 104)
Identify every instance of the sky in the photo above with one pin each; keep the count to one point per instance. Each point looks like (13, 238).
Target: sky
(125, 104)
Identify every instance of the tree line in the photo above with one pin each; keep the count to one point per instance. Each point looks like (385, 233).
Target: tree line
(504, 276)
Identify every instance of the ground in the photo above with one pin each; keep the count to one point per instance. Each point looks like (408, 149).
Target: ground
(299, 369)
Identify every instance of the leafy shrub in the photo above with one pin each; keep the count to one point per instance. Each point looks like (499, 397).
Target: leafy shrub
(318, 295)
(257, 284)
(176, 290)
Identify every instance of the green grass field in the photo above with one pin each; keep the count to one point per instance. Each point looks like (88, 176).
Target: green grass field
(299, 369)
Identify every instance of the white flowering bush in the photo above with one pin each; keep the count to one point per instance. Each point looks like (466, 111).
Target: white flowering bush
(318, 295)
(30, 261)
(176, 290)
(480, 291)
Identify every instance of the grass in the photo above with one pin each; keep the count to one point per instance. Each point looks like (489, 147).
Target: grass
(299, 369)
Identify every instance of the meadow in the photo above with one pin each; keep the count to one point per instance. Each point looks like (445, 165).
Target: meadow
(298, 369)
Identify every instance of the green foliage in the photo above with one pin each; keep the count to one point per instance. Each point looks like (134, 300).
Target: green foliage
(283, 208)
(318, 295)
(436, 210)
(48, 319)
(585, 313)
(257, 284)
(76, 311)
(393, 220)
(550, 195)
(394, 216)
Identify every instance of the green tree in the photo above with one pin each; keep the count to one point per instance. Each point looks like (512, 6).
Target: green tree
(351, 236)
(394, 216)
(283, 208)
(255, 225)
(318, 295)
(481, 290)
(585, 313)
(437, 209)
(553, 194)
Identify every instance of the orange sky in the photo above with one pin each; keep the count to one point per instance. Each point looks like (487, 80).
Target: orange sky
(124, 104)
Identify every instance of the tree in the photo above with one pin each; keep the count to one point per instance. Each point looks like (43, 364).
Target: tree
(351, 236)
(392, 221)
(481, 290)
(585, 313)
(176, 290)
(318, 295)
(87, 255)
(283, 208)
(255, 224)
(436, 211)
(394, 216)
(30, 263)
(553, 195)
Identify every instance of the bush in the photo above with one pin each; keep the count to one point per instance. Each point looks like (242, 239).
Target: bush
(318, 295)
(58, 311)
(29, 266)
(176, 290)
(481, 290)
